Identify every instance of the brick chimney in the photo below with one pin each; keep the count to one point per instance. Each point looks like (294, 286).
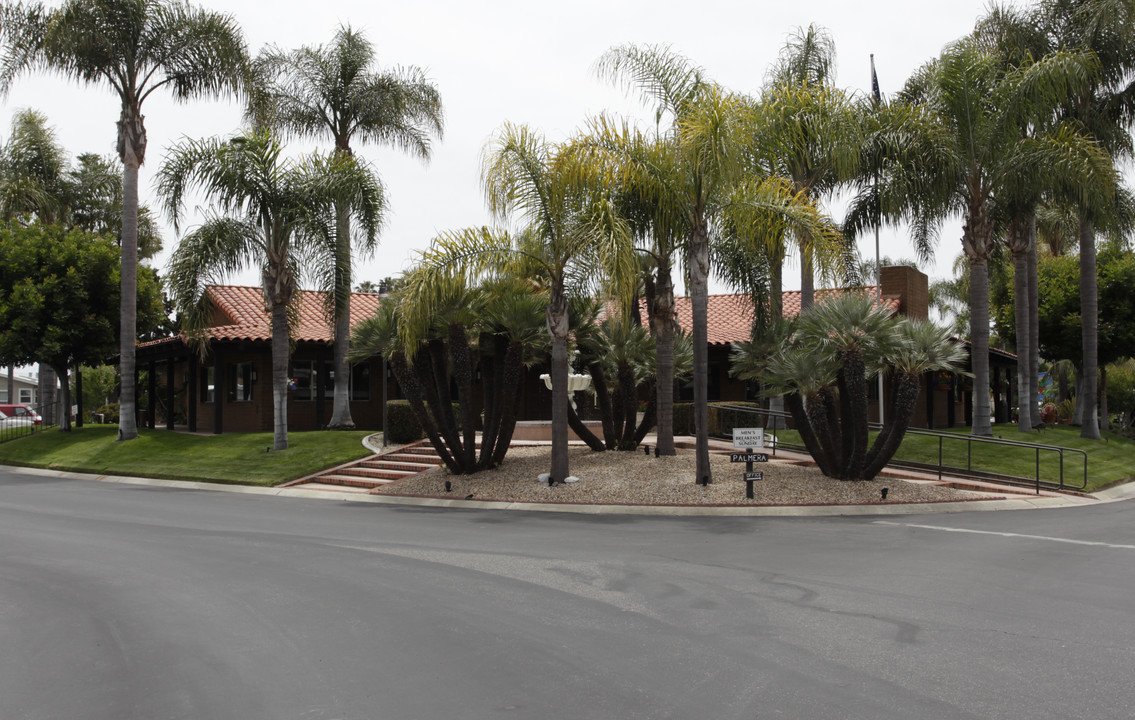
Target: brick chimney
(911, 287)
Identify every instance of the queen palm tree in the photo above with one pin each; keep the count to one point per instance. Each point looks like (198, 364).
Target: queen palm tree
(333, 92)
(276, 216)
(979, 108)
(1105, 108)
(136, 47)
(570, 228)
(32, 170)
(809, 131)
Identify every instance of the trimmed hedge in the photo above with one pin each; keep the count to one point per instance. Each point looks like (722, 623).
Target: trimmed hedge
(404, 427)
(721, 420)
(683, 418)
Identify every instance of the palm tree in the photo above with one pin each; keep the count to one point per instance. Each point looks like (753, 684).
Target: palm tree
(571, 228)
(32, 170)
(809, 131)
(822, 366)
(332, 92)
(136, 47)
(277, 216)
(1105, 108)
(1076, 170)
(979, 107)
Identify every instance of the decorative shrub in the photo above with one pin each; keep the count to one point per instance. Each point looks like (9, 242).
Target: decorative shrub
(403, 426)
(723, 420)
(683, 418)
(109, 413)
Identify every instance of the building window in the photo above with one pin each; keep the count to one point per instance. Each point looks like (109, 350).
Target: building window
(26, 396)
(303, 377)
(240, 379)
(208, 377)
(360, 382)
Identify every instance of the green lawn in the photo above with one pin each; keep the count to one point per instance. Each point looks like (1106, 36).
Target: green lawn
(232, 458)
(1110, 461)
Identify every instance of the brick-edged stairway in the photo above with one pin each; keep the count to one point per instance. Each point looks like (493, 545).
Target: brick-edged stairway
(371, 472)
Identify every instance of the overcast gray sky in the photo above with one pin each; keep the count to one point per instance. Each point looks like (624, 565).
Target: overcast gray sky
(524, 62)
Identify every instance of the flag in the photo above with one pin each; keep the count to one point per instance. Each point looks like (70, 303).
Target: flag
(874, 81)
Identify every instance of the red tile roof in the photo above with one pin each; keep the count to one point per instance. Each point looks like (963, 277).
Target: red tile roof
(731, 316)
(241, 314)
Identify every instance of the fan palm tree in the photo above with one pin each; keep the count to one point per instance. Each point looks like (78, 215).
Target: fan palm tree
(276, 216)
(980, 107)
(571, 228)
(136, 47)
(333, 92)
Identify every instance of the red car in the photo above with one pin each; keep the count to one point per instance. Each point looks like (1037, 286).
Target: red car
(17, 415)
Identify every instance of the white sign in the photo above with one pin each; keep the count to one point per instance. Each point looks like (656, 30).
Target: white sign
(748, 437)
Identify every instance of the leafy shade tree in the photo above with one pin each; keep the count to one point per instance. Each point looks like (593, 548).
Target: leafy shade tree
(1060, 319)
(59, 299)
(823, 365)
(135, 47)
(276, 216)
(333, 92)
(980, 108)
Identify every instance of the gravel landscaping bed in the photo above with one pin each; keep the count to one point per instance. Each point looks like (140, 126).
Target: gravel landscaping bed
(633, 478)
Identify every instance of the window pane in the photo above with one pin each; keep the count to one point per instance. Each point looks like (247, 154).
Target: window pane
(360, 381)
(207, 388)
(303, 373)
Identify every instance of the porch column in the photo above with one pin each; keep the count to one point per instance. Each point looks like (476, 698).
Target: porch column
(78, 396)
(152, 392)
(169, 393)
(931, 391)
(191, 391)
(218, 390)
(320, 384)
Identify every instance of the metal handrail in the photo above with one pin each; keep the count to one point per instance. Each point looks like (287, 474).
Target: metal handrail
(969, 470)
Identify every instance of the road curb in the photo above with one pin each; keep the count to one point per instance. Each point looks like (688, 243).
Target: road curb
(1013, 503)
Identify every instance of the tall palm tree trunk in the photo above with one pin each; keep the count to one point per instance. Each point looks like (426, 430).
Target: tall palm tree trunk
(558, 329)
(341, 400)
(698, 268)
(128, 294)
(662, 323)
(807, 280)
(979, 343)
(1022, 301)
(1089, 331)
(1034, 327)
(279, 376)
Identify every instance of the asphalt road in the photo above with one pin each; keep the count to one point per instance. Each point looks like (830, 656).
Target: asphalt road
(120, 602)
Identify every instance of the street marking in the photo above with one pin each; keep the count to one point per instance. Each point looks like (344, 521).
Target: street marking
(1007, 534)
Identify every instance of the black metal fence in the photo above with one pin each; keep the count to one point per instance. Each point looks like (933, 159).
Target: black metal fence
(21, 420)
(956, 455)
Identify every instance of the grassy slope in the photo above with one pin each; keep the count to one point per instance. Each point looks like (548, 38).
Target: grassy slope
(232, 458)
(1110, 461)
